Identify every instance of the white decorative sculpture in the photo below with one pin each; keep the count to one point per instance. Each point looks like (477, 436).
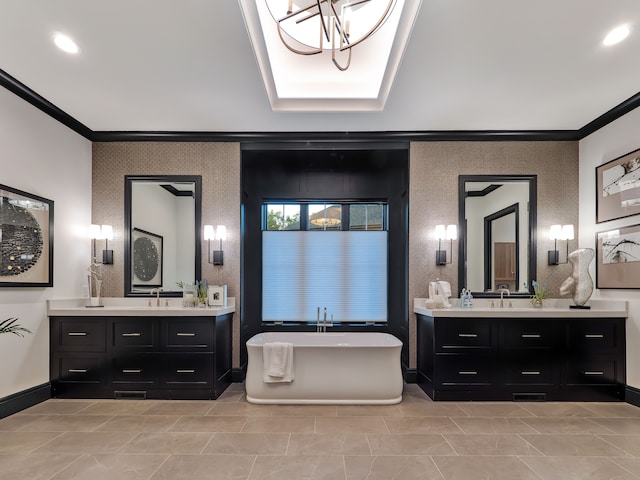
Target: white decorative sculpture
(95, 283)
(580, 283)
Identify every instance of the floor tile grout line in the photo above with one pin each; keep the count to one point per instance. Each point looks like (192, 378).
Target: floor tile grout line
(530, 468)
(58, 472)
(623, 468)
(167, 456)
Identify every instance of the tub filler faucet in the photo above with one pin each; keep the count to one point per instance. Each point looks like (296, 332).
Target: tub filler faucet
(322, 327)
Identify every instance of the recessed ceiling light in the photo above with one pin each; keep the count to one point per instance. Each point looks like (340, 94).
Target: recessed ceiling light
(64, 43)
(616, 35)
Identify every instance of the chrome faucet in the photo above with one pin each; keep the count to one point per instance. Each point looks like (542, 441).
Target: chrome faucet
(502, 290)
(322, 327)
(157, 291)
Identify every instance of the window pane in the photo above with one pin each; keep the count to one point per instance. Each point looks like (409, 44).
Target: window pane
(325, 216)
(346, 272)
(283, 216)
(366, 217)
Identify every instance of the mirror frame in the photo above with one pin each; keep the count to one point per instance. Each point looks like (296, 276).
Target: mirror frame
(532, 181)
(128, 181)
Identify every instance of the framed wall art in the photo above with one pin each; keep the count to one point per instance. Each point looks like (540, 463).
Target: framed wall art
(618, 188)
(26, 239)
(146, 261)
(618, 258)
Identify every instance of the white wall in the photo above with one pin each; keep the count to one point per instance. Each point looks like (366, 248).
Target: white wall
(41, 156)
(612, 141)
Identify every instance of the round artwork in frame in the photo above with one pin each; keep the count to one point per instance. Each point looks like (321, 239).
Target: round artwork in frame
(146, 258)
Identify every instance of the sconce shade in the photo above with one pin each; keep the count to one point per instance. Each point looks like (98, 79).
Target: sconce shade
(208, 232)
(559, 232)
(94, 231)
(567, 232)
(221, 232)
(440, 232)
(106, 232)
(452, 232)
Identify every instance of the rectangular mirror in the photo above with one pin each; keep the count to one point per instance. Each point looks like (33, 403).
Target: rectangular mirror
(497, 242)
(162, 224)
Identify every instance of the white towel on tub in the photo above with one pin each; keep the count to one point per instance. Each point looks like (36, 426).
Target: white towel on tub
(277, 359)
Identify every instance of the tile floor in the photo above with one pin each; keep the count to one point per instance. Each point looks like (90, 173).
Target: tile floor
(231, 439)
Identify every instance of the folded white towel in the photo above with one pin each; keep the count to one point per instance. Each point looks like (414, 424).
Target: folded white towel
(277, 359)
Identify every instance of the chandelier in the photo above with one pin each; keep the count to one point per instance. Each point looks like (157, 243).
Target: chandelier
(309, 27)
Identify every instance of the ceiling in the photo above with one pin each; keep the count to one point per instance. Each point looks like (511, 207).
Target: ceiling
(189, 66)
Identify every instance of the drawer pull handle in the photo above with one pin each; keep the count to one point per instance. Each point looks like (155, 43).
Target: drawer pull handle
(179, 334)
(530, 372)
(594, 373)
(132, 370)
(185, 371)
(467, 372)
(77, 370)
(531, 335)
(468, 335)
(593, 335)
(77, 334)
(131, 334)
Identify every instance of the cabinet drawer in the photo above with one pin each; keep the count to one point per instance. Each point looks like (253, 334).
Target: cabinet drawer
(529, 334)
(530, 373)
(188, 371)
(181, 334)
(464, 334)
(463, 371)
(592, 335)
(138, 371)
(79, 369)
(134, 334)
(80, 335)
(593, 372)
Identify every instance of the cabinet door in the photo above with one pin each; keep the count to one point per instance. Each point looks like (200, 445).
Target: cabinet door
(134, 371)
(139, 334)
(530, 372)
(78, 368)
(595, 335)
(504, 261)
(529, 334)
(185, 334)
(78, 334)
(193, 370)
(594, 372)
(455, 372)
(459, 335)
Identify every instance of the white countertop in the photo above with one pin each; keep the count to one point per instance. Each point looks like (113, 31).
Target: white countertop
(133, 307)
(521, 308)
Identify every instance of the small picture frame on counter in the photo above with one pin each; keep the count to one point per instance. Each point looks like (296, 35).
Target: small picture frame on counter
(217, 295)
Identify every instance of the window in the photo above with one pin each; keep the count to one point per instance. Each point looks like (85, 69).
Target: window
(324, 263)
(282, 216)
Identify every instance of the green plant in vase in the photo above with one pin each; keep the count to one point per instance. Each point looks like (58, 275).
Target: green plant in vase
(202, 290)
(540, 293)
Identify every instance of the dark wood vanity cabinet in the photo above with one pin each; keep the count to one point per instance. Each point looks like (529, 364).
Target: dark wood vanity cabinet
(521, 359)
(140, 357)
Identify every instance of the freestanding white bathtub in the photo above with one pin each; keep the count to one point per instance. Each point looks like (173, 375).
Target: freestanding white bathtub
(358, 368)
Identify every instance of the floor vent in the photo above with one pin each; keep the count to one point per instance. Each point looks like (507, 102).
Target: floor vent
(130, 394)
(529, 397)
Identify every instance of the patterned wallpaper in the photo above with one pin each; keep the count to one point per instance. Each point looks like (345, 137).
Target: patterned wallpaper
(433, 199)
(219, 166)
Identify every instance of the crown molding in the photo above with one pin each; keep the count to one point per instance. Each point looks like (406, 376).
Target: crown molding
(27, 94)
(41, 103)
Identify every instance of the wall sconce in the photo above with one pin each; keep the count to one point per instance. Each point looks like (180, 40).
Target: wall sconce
(220, 234)
(559, 232)
(97, 232)
(449, 233)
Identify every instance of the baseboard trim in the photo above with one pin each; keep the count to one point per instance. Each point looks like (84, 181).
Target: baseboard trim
(24, 399)
(238, 374)
(411, 375)
(632, 396)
